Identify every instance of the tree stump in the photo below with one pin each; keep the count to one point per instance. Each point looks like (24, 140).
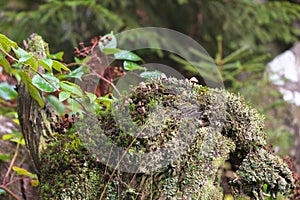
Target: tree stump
(167, 139)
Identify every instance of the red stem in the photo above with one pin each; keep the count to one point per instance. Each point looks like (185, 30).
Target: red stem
(11, 164)
(107, 81)
(17, 179)
(10, 192)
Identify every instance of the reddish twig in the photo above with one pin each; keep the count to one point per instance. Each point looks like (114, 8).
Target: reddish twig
(4, 184)
(107, 81)
(11, 164)
(10, 192)
(15, 180)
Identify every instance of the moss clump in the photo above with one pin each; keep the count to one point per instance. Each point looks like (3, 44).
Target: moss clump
(68, 171)
(261, 167)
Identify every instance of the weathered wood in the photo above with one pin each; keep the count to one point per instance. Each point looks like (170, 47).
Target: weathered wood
(36, 122)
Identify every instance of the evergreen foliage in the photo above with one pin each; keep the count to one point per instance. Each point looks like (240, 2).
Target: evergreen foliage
(239, 22)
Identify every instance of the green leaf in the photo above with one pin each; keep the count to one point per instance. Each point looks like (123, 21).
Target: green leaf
(2, 192)
(265, 187)
(74, 106)
(5, 63)
(237, 55)
(47, 83)
(20, 52)
(104, 100)
(19, 141)
(29, 60)
(109, 51)
(59, 106)
(92, 97)
(84, 60)
(63, 96)
(7, 92)
(32, 90)
(32, 63)
(34, 183)
(151, 74)
(231, 66)
(35, 94)
(6, 44)
(14, 137)
(71, 87)
(16, 121)
(24, 172)
(107, 41)
(127, 55)
(25, 58)
(130, 66)
(4, 157)
(56, 56)
(8, 136)
(76, 73)
(46, 64)
(58, 66)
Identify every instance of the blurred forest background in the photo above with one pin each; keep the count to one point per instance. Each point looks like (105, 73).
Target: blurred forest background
(243, 36)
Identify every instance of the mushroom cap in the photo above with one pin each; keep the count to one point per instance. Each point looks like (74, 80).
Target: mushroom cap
(194, 80)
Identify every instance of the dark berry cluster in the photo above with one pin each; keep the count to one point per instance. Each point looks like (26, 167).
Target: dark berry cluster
(66, 123)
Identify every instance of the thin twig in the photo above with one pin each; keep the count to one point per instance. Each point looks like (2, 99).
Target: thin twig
(74, 64)
(106, 166)
(15, 180)
(10, 192)
(107, 81)
(11, 164)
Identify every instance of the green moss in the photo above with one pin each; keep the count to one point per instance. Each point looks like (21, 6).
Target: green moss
(198, 129)
(209, 192)
(261, 167)
(68, 171)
